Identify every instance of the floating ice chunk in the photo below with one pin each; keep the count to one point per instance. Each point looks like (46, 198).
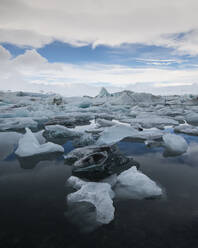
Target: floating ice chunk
(98, 194)
(9, 141)
(17, 124)
(174, 144)
(58, 131)
(133, 184)
(85, 140)
(75, 182)
(192, 118)
(29, 146)
(148, 121)
(148, 134)
(119, 132)
(85, 104)
(39, 137)
(187, 129)
(103, 93)
(105, 123)
(115, 134)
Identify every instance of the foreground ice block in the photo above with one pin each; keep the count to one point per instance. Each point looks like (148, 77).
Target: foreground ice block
(29, 146)
(174, 144)
(98, 194)
(133, 184)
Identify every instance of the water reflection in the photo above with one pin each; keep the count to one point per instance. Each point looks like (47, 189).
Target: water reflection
(82, 215)
(31, 161)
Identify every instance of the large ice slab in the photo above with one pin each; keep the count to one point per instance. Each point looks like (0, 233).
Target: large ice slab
(192, 118)
(29, 146)
(17, 124)
(187, 129)
(58, 131)
(115, 134)
(133, 184)
(174, 144)
(148, 121)
(119, 132)
(98, 194)
(105, 123)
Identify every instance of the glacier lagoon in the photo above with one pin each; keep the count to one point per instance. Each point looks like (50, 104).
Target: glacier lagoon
(34, 189)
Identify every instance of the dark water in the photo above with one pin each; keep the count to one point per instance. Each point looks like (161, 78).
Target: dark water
(33, 203)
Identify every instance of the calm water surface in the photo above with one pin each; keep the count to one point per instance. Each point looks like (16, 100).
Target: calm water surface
(34, 213)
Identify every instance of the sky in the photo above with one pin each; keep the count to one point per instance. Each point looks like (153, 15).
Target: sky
(76, 47)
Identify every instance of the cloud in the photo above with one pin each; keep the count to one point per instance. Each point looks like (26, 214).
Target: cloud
(32, 72)
(4, 54)
(114, 22)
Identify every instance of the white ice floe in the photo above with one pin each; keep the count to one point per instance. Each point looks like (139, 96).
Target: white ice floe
(39, 137)
(175, 144)
(148, 121)
(115, 134)
(98, 194)
(29, 146)
(103, 93)
(133, 184)
(17, 123)
(75, 182)
(130, 184)
(58, 131)
(119, 132)
(192, 118)
(105, 123)
(187, 129)
(85, 139)
(9, 141)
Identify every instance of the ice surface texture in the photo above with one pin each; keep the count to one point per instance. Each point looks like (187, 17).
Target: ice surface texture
(29, 146)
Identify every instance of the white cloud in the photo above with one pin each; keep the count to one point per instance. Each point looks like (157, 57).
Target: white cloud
(4, 54)
(113, 22)
(30, 71)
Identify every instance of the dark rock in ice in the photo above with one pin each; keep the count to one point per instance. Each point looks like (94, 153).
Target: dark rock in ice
(58, 100)
(98, 162)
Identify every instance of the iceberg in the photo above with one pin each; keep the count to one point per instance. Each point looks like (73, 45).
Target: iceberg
(119, 132)
(174, 144)
(133, 184)
(28, 145)
(148, 121)
(58, 131)
(115, 134)
(192, 118)
(105, 123)
(187, 129)
(98, 194)
(86, 139)
(103, 93)
(17, 124)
